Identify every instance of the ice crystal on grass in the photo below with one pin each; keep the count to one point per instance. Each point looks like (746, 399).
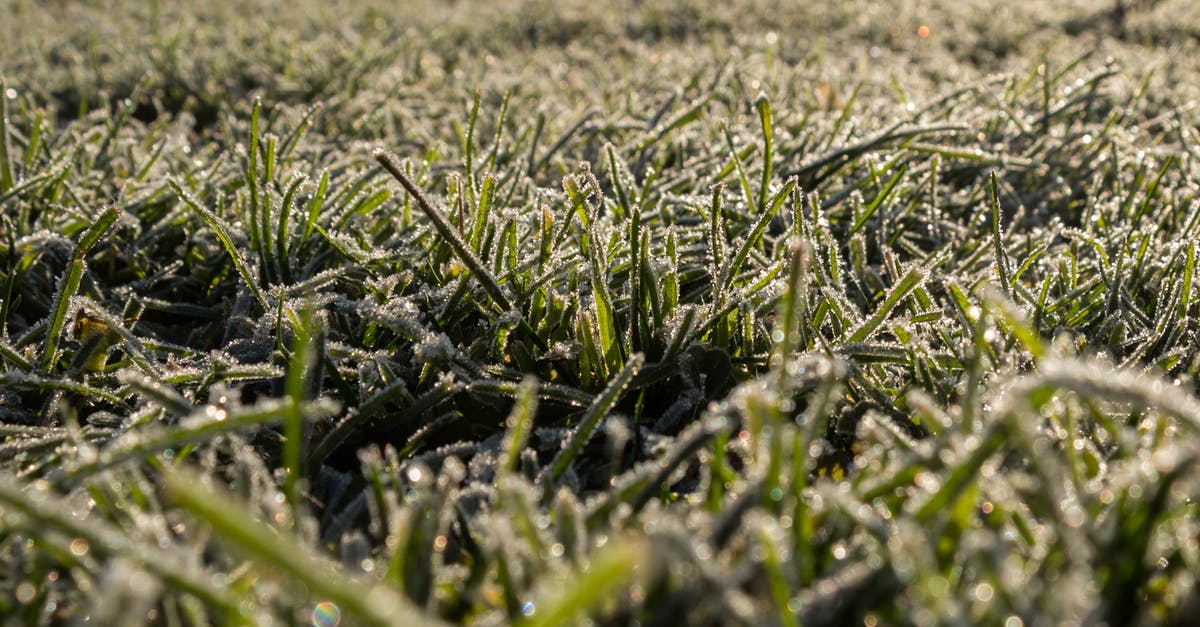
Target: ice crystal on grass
(434, 349)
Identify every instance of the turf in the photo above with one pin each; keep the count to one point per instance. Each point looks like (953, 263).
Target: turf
(620, 313)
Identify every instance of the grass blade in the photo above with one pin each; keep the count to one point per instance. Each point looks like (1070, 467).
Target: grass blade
(177, 571)
(591, 419)
(460, 248)
(620, 565)
(6, 170)
(870, 209)
(520, 423)
(200, 426)
(751, 238)
(222, 230)
(1002, 262)
(70, 283)
(367, 602)
(907, 283)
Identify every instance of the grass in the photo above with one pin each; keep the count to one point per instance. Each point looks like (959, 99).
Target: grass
(546, 313)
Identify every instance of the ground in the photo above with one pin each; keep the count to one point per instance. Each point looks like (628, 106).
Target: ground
(634, 312)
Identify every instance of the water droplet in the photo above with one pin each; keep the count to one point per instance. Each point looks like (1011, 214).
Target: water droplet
(25, 592)
(79, 547)
(839, 551)
(528, 608)
(326, 614)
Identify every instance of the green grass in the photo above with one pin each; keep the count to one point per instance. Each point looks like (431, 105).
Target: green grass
(551, 312)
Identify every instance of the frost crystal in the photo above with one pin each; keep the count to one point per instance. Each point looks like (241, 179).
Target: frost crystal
(509, 318)
(434, 348)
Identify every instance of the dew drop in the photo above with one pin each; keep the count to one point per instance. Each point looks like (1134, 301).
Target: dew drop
(839, 552)
(79, 547)
(25, 592)
(326, 614)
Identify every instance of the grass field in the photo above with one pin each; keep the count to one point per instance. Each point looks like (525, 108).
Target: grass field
(641, 312)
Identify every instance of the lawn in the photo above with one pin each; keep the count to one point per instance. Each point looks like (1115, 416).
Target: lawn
(575, 312)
